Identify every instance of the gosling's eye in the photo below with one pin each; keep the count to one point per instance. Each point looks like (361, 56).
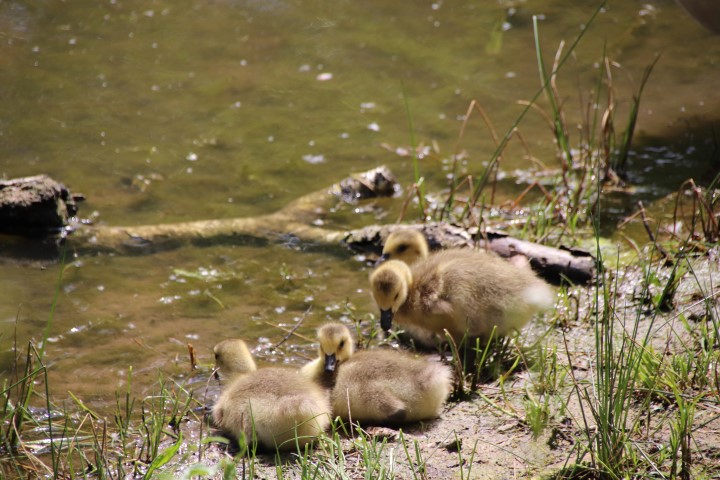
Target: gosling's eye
(342, 343)
(402, 248)
(396, 296)
(217, 356)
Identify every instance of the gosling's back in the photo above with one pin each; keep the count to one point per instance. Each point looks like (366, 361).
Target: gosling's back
(278, 407)
(390, 387)
(466, 290)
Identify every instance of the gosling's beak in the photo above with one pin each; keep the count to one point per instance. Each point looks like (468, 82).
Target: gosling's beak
(330, 363)
(386, 317)
(382, 259)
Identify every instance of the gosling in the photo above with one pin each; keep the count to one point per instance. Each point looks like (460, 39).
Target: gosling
(407, 245)
(282, 409)
(410, 246)
(465, 292)
(381, 387)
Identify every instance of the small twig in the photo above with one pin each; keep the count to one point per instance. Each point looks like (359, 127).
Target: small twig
(509, 413)
(520, 197)
(292, 330)
(628, 219)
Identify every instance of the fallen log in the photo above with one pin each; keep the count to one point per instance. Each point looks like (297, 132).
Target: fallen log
(296, 221)
(555, 265)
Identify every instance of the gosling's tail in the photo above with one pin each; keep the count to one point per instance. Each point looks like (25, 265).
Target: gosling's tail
(539, 296)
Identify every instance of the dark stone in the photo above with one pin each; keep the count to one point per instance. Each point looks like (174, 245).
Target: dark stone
(35, 206)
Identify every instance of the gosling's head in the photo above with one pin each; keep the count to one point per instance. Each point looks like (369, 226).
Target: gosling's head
(389, 284)
(407, 245)
(233, 358)
(336, 345)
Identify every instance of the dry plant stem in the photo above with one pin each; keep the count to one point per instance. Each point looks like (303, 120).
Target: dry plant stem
(628, 219)
(474, 220)
(516, 202)
(494, 171)
(666, 256)
(608, 123)
(474, 105)
(557, 101)
(495, 165)
(710, 230)
(539, 110)
(191, 353)
(452, 197)
(414, 191)
(526, 148)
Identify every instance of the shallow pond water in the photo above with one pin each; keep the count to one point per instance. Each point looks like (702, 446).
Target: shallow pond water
(163, 111)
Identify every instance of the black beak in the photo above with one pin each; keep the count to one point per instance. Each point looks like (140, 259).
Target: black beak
(330, 363)
(386, 317)
(382, 259)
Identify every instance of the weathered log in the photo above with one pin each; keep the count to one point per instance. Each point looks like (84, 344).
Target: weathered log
(555, 265)
(35, 206)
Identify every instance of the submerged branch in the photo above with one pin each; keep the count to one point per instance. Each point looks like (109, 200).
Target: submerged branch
(295, 221)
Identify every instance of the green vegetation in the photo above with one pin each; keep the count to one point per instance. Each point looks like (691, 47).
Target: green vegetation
(629, 403)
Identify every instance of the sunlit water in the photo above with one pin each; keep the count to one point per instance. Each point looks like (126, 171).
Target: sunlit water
(170, 111)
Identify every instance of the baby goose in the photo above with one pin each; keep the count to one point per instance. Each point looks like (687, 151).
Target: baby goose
(407, 245)
(279, 405)
(379, 386)
(335, 347)
(463, 291)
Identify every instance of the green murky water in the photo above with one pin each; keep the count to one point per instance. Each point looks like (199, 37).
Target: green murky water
(167, 111)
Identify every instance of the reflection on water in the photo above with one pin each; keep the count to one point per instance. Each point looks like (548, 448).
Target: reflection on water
(161, 112)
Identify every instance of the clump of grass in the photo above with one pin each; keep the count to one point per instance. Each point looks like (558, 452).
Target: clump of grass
(568, 199)
(636, 395)
(62, 442)
(702, 218)
(17, 414)
(544, 399)
(477, 360)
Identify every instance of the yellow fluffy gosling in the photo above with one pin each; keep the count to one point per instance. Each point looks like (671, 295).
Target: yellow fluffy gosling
(407, 245)
(282, 406)
(463, 291)
(410, 246)
(379, 386)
